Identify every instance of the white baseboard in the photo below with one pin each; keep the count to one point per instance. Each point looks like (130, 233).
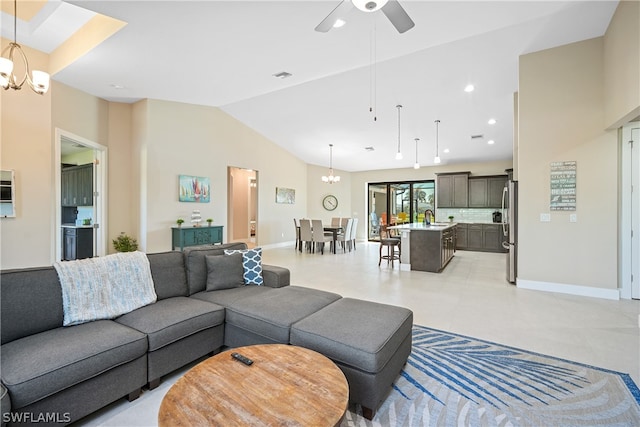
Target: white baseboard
(279, 245)
(561, 288)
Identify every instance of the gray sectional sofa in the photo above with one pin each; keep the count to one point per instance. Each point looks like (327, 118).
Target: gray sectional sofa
(52, 374)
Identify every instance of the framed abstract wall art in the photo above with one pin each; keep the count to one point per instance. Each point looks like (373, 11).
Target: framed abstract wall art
(194, 189)
(285, 195)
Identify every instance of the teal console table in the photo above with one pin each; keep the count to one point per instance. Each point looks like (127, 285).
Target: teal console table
(193, 236)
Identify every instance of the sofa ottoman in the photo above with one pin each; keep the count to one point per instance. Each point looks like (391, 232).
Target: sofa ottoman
(266, 318)
(369, 341)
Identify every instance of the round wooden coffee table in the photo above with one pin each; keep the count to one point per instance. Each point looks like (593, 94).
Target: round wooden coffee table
(285, 385)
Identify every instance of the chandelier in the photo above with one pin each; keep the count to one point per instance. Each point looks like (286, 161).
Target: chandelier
(331, 178)
(38, 81)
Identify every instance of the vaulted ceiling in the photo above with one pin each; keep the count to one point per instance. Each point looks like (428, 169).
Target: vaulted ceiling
(226, 53)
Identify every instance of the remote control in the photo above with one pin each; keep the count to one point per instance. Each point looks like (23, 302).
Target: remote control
(242, 358)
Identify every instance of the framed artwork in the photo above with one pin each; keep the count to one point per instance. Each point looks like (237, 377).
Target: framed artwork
(285, 195)
(194, 189)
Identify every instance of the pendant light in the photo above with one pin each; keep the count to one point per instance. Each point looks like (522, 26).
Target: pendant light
(38, 81)
(416, 165)
(331, 178)
(436, 159)
(398, 154)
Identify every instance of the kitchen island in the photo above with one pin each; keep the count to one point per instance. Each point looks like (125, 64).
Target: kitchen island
(427, 247)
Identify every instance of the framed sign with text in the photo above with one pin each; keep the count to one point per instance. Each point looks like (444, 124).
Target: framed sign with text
(563, 186)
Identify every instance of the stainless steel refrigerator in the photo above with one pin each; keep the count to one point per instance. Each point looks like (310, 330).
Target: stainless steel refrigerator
(510, 227)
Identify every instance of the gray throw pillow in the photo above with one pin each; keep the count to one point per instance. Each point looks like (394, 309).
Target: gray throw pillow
(224, 272)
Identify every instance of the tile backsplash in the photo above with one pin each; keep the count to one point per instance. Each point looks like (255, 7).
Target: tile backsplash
(466, 214)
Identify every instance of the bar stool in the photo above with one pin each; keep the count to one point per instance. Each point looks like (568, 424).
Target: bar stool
(391, 243)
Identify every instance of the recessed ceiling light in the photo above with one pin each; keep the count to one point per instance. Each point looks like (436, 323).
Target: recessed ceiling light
(446, 150)
(117, 87)
(492, 121)
(469, 88)
(339, 23)
(491, 142)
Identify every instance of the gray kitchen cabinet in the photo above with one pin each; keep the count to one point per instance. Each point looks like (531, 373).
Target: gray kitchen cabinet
(492, 237)
(77, 243)
(478, 192)
(77, 185)
(480, 237)
(486, 191)
(452, 190)
(461, 236)
(474, 237)
(495, 189)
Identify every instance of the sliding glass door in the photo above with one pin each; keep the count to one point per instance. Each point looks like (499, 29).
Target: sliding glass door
(392, 203)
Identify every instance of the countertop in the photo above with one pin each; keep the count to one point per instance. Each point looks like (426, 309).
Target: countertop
(418, 226)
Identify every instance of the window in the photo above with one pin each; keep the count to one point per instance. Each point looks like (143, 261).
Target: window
(392, 203)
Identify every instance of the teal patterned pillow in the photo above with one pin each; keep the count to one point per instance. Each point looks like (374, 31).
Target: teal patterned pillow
(252, 264)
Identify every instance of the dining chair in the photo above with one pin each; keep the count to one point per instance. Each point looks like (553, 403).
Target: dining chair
(319, 236)
(306, 236)
(335, 221)
(344, 237)
(297, 228)
(354, 228)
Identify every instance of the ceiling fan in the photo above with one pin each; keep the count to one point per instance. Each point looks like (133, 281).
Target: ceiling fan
(391, 9)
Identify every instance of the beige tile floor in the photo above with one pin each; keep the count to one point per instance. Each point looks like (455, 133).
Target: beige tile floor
(471, 297)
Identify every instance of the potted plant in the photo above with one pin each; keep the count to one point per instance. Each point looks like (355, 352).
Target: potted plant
(209, 221)
(125, 243)
(179, 221)
(450, 218)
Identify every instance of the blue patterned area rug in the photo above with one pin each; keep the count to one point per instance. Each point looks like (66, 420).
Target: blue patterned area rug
(454, 380)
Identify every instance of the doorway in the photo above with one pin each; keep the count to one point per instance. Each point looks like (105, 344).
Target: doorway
(630, 211)
(242, 205)
(88, 211)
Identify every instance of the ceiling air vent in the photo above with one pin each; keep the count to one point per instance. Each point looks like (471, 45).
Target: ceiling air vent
(478, 136)
(369, 149)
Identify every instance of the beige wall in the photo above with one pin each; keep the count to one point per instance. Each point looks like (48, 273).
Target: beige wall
(120, 177)
(317, 190)
(26, 147)
(561, 118)
(173, 139)
(622, 65)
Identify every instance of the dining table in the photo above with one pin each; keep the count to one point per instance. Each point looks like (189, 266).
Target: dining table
(335, 229)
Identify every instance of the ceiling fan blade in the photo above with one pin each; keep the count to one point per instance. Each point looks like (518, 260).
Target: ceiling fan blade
(398, 16)
(338, 13)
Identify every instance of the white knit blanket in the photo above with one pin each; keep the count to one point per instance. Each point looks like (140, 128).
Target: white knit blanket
(104, 287)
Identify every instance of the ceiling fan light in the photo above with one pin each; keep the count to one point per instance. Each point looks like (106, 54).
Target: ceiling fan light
(339, 23)
(369, 5)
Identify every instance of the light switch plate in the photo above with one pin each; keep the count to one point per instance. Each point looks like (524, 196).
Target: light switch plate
(545, 217)
(573, 218)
